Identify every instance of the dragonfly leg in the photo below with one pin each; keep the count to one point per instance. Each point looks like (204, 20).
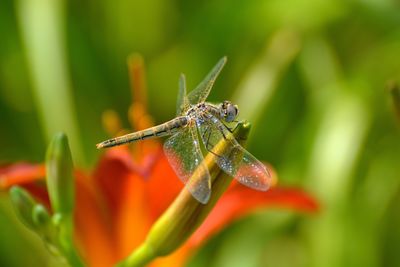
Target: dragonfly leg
(208, 144)
(232, 129)
(222, 131)
(212, 152)
(209, 135)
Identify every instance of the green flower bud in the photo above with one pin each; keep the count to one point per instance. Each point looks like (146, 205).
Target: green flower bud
(40, 215)
(59, 170)
(23, 203)
(60, 185)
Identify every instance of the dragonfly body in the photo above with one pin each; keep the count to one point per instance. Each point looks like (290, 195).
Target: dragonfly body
(198, 111)
(195, 118)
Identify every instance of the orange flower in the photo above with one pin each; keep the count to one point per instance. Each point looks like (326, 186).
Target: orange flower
(118, 202)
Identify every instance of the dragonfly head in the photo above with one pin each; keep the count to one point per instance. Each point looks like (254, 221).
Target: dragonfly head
(229, 111)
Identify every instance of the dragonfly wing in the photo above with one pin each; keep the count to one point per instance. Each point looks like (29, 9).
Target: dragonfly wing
(234, 160)
(200, 93)
(251, 172)
(182, 102)
(185, 157)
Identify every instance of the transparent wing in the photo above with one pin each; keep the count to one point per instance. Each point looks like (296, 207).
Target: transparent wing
(200, 93)
(182, 103)
(185, 157)
(235, 160)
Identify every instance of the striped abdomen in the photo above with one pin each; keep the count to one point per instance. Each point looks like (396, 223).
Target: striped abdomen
(164, 129)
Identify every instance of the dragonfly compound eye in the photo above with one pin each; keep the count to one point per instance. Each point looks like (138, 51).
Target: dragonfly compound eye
(231, 112)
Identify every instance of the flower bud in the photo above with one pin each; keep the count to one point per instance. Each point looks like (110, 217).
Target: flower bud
(40, 216)
(59, 170)
(23, 203)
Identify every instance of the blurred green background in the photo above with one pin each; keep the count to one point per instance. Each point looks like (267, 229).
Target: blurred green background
(312, 76)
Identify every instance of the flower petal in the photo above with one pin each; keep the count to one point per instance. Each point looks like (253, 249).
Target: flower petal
(93, 231)
(20, 173)
(117, 166)
(239, 201)
(133, 221)
(29, 176)
(111, 175)
(162, 186)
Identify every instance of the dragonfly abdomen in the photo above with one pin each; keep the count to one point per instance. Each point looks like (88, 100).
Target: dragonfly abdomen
(164, 129)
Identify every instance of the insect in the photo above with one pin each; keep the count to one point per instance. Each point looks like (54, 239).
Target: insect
(195, 118)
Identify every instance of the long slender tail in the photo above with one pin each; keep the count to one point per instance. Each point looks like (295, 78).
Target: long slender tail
(120, 140)
(156, 131)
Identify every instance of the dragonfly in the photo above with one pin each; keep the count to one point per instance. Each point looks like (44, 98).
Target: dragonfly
(195, 118)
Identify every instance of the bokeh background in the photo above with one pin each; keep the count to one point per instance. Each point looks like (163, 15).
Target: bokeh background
(316, 78)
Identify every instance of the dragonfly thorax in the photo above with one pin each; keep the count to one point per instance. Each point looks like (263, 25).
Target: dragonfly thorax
(226, 111)
(196, 111)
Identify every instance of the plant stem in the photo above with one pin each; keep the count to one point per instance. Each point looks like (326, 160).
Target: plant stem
(140, 257)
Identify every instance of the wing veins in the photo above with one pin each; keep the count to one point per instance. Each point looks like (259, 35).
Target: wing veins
(235, 160)
(184, 154)
(201, 92)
